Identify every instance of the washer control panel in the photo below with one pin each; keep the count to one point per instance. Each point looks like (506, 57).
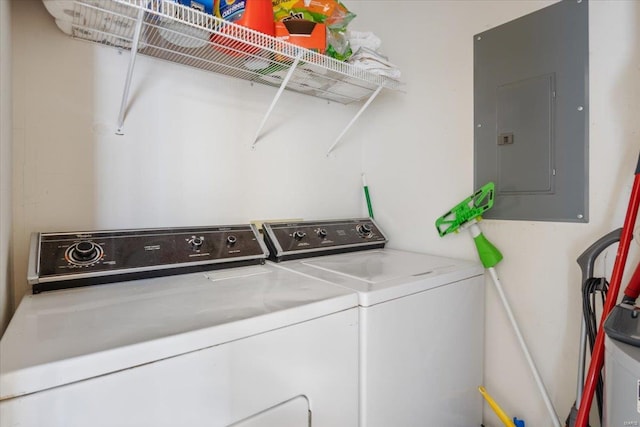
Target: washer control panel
(314, 238)
(107, 256)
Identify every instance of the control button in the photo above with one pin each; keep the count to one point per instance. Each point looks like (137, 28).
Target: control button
(83, 253)
(231, 240)
(322, 233)
(196, 242)
(364, 230)
(299, 235)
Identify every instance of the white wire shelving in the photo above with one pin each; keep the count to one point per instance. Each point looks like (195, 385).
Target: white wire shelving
(170, 31)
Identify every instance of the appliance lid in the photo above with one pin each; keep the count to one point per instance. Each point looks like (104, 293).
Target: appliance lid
(384, 274)
(60, 337)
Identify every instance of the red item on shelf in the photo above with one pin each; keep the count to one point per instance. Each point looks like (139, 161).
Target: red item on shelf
(258, 16)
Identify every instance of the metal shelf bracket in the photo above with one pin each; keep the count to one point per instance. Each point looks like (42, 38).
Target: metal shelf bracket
(353, 120)
(283, 85)
(127, 84)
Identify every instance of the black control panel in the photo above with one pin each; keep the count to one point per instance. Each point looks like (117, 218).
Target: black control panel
(312, 238)
(62, 260)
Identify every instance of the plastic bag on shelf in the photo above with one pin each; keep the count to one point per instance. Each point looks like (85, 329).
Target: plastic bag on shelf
(340, 17)
(332, 13)
(338, 45)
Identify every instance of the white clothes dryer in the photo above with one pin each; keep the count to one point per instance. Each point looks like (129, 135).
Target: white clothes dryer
(421, 320)
(250, 346)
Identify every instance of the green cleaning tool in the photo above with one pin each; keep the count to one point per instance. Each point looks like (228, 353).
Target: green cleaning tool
(466, 215)
(367, 197)
(468, 212)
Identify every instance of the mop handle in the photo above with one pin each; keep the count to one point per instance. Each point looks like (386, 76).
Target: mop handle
(475, 231)
(597, 355)
(525, 350)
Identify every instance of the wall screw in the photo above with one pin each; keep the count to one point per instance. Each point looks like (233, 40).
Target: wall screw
(580, 216)
(580, 108)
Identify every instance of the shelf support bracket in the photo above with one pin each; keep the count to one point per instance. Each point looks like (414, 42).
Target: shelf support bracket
(127, 84)
(353, 120)
(283, 85)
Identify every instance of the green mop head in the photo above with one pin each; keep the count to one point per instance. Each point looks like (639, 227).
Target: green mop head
(468, 210)
(467, 213)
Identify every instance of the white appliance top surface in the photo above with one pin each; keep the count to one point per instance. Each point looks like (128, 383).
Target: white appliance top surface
(384, 274)
(59, 337)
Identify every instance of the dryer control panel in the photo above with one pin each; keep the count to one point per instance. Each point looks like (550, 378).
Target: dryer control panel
(287, 240)
(63, 260)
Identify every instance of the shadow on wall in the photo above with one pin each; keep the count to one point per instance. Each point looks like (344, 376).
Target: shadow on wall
(6, 282)
(628, 90)
(626, 99)
(53, 114)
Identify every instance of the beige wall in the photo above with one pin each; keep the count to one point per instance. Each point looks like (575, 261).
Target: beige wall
(184, 159)
(5, 165)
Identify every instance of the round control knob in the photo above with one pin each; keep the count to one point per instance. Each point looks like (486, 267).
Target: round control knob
(85, 250)
(196, 242)
(83, 253)
(322, 233)
(299, 235)
(364, 230)
(231, 240)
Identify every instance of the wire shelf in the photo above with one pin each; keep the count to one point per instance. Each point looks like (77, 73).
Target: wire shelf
(167, 30)
(179, 34)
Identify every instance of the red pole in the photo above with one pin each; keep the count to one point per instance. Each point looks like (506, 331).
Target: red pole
(597, 356)
(633, 288)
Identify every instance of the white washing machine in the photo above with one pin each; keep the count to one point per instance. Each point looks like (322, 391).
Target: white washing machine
(421, 320)
(249, 346)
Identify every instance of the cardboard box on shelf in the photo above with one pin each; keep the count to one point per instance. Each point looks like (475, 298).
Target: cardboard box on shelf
(303, 33)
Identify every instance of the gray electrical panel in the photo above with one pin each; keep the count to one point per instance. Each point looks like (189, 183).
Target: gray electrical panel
(531, 114)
